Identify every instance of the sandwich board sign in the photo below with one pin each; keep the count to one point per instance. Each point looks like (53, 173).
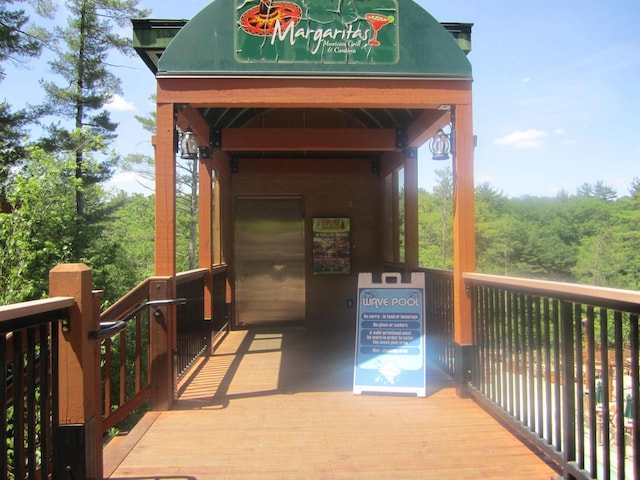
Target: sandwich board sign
(390, 355)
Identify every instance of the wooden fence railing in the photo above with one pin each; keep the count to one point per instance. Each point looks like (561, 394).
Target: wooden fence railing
(559, 362)
(29, 386)
(69, 373)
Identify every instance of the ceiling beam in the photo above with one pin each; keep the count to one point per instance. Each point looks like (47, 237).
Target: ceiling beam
(426, 126)
(308, 139)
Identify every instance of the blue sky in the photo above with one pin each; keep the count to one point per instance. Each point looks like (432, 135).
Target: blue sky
(556, 92)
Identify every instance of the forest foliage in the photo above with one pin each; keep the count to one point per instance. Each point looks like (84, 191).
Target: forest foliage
(590, 237)
(56, 208)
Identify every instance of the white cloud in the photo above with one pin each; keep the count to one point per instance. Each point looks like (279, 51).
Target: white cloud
(531, 138)
(526, 79)
(131, 182)
(119, 104)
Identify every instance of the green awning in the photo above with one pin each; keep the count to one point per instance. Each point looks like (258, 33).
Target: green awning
(339, 38)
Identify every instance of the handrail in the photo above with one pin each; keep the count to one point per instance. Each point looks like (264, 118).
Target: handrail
(189, 275)
(34, 307)
(122, 307)
(626, 300)
(111, 328)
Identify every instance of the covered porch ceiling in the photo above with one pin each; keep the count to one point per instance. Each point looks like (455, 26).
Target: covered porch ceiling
(313, 130)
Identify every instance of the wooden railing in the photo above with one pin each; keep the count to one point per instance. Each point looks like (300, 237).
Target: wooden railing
(124, 346)
(29, 386)
(559, 362)
(55, 405)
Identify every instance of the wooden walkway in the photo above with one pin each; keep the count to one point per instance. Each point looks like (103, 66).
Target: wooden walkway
(277, 404)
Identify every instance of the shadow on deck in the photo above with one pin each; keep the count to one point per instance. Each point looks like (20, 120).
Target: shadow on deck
(277, 403)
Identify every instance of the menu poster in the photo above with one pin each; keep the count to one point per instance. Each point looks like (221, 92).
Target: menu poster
(390, 355)
(331, 245)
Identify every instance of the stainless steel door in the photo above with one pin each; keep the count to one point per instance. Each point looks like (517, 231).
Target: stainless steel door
(269, 260)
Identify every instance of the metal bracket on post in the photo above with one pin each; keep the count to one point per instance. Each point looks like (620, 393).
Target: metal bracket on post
(234, 165)
(410, 153)
(215, 138)
(402, 139)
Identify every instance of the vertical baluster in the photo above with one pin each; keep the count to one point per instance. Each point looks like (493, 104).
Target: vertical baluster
(548, 372)
(591, 386)
(539, 366)
(579, 361)
(490, 323)
(123, 368)
(138, 350)
(44, 400)
(108, 380)
(476, 371)
(531, 410)
(511, 365)
(18, 406)
(4, 361)
(502, 347)
(568, 384)
(557, 403)
(619, 394)
(30, 394)
(635, 394)
(604, 417)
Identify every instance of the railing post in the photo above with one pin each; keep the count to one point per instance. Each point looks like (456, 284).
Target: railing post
(568, 355)
(162, 334)
(78, 437)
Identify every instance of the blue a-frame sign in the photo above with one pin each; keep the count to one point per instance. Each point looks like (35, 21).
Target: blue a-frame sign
(390, 354)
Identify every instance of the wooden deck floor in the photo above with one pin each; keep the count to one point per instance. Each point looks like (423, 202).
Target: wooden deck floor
(277, 404)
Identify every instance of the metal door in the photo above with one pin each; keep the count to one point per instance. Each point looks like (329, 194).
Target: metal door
(269, 260)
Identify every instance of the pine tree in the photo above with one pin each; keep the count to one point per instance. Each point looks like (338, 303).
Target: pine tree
(19, 41)
(88, 84)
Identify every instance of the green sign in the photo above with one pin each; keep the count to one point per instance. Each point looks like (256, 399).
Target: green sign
(317, 31)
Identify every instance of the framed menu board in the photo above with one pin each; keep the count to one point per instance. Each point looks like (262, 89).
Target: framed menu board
(331, 245)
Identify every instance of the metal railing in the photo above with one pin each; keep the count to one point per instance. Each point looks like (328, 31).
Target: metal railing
(559, 362)
(29, 386)
(439, 318)
(193, 330)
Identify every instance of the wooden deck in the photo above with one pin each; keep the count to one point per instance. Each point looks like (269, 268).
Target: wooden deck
(277, 404)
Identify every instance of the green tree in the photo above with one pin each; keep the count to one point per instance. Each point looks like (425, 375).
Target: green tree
(39, 232)
(19, 41)
(88, 85)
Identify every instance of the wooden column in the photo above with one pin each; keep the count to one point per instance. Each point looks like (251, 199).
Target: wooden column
(411, 209)
(205, 230)
(464, 245)
(165, 241)
(162, 334)
(78, 438)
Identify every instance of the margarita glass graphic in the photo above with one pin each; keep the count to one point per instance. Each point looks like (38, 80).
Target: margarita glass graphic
(377, 21)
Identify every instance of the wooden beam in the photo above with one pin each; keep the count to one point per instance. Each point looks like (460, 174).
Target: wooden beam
(308, 139)
(426, 126)
(314, 93)
(411, 229)
(165, 240)
(464, 245)
(324, 166)
(191, 117)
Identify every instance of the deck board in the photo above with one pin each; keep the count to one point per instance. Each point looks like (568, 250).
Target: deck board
(277, 404)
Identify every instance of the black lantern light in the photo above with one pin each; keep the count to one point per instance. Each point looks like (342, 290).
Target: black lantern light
(189, 145)
(440, 146)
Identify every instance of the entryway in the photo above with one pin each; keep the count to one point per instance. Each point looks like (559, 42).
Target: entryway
(269, 260)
